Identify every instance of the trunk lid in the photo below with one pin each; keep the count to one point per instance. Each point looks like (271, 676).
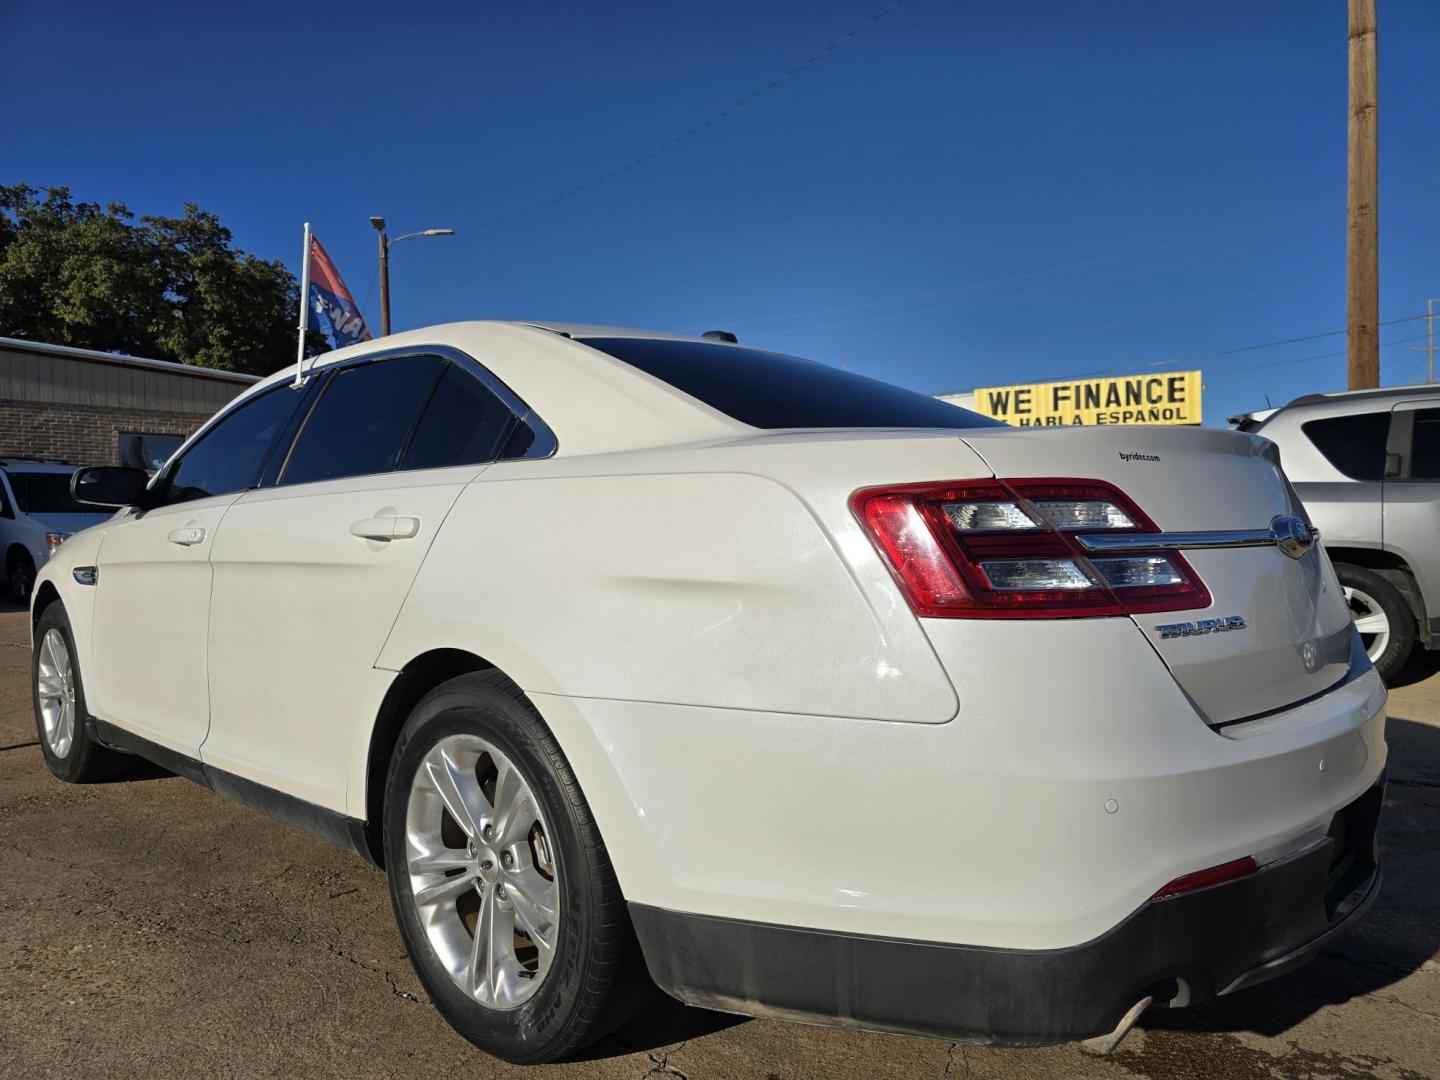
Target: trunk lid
(1296, 638)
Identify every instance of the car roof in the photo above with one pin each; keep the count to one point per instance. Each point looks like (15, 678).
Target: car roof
(41, 465)
(1341, 396)
(593, 401)
(1341, 403)
(596, 330)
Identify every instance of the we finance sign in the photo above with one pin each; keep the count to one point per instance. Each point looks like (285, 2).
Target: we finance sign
(1171, 398)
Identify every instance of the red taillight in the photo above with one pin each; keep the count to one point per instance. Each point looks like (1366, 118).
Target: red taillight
(1204, 878)
(1006, 549)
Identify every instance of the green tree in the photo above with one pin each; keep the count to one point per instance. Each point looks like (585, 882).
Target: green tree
(78, 273)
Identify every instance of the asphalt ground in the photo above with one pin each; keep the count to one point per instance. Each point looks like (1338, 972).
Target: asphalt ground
(149, 928)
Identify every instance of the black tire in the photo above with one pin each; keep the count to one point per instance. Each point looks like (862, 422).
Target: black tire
(19, 576)
(84, 761)
(1402, 621)
(596, 979)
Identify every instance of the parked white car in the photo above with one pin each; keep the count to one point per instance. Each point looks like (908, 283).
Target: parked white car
(630, 655)
(37, 515)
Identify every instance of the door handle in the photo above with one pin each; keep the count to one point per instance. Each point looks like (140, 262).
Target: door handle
(187, 537)
(386, 528)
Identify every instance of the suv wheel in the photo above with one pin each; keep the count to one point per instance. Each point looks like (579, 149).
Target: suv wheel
(70, 751)
(1387, 629)
(501, 884)
(20, 576)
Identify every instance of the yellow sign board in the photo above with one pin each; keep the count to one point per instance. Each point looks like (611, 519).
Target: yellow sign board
(1172, 397)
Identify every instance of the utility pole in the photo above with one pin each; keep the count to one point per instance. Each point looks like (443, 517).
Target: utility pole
(1362, 280)
(385, 242)
(1429, 349)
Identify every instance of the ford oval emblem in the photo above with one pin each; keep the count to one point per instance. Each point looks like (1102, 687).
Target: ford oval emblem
(1293, 535)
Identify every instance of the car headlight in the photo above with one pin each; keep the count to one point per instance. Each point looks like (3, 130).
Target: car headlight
(54, 540)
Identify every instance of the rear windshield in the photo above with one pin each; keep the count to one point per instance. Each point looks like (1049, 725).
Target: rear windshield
(46, 493)
(772, 390)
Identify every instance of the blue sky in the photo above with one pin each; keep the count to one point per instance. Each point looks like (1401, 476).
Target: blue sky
(961, 194)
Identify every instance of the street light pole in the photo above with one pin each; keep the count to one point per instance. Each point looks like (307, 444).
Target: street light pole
(379, 223)
(385, 242)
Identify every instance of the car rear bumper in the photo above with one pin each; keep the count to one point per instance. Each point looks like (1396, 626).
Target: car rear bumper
(1182, 950)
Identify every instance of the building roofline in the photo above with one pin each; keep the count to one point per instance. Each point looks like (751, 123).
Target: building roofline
(122, 360)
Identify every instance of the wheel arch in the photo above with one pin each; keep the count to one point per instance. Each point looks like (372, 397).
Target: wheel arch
(45, 594)
(414, 680)
(15, 549)
(594, 770)
(1393, 569)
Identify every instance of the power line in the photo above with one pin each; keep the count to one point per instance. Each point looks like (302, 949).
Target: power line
(689, 133)
(1240, 349)
(1415, 367)
(1243, 349)
(1247, 239)
(1267, 344)
(1222, 373)
(1429, 349)
(951, 291)
(742, 324)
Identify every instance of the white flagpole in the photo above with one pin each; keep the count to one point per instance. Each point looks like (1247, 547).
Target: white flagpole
(304, 310)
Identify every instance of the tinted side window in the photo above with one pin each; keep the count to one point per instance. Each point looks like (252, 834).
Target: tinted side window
(1425, 450)
(772, 390)
(230, 456)
(46, 493)
(363, 419)
(1353, 444)
(464, 424)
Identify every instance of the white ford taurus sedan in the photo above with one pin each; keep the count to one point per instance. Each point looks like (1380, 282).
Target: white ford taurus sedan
(634, 657)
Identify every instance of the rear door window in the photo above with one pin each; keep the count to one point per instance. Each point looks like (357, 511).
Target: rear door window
(772, 390)
(1353, 444)
(363, 420)
(1425, 446)
(463, 424)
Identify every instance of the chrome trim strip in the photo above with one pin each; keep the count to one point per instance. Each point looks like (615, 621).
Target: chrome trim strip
(1177, 541)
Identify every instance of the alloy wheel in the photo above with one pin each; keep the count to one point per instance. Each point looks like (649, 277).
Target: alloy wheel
(55, 686)
(483, 873)
(1370, 620)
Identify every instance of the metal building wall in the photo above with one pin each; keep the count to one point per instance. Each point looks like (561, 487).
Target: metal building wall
(74, 405)
(52, 375)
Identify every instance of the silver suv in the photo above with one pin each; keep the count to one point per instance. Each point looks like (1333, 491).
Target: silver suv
(1367, 465)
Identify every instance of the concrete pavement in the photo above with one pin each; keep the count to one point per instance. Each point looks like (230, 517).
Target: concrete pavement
(149, 928)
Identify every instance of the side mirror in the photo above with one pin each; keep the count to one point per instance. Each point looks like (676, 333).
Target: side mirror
(109, 485)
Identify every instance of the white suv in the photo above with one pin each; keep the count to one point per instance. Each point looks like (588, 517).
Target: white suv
(37, 515)
(637, 657)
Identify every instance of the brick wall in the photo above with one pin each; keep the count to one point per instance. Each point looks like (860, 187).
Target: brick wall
(85, 435)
